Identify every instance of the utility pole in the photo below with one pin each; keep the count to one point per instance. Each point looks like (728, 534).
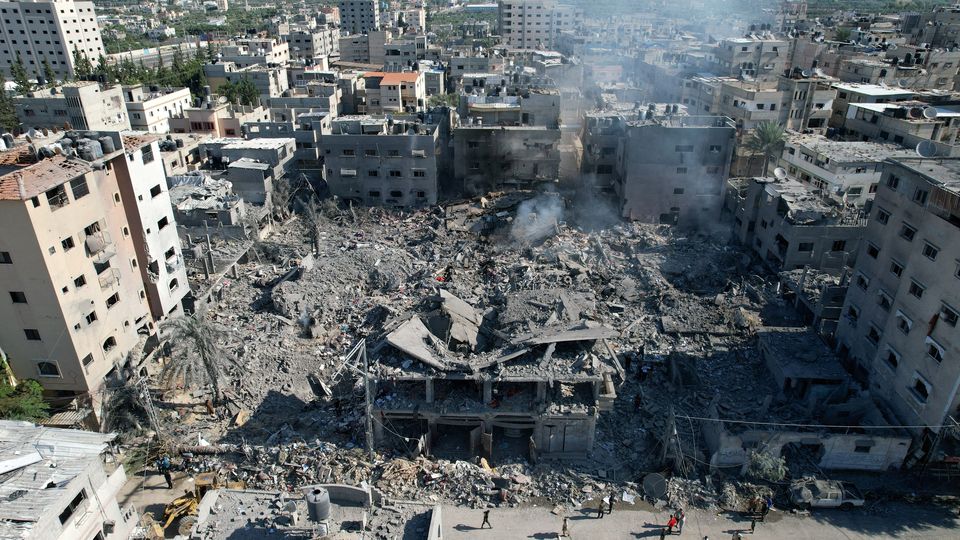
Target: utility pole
(369, 400)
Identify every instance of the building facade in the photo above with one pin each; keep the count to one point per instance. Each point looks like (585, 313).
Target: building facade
(151, 109)
(48, 31)
(79, 105)
(359, 16)
(532, 24)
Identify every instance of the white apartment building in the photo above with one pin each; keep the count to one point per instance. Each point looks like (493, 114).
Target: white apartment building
(50, 31)
(899, 325)
(533, 24)
(83, 105)
(313, 45)
(150, 109)
(359, 16)
(72, 276)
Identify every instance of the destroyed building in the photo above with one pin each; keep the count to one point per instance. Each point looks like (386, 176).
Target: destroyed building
(453, 380)
(791, 225)
(489, 158)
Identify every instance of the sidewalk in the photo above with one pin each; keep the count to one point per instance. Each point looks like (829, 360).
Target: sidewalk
(899, 521)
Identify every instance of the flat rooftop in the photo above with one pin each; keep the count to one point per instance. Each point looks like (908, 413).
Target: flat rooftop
(944, 171)
(874, 89)
(847, 151)
(260, 144)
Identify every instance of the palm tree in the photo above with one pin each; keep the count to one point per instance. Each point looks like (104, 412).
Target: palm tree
(200, 365)
(767, 139)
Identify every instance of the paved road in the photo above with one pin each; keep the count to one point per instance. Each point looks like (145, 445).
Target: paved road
(900, 521)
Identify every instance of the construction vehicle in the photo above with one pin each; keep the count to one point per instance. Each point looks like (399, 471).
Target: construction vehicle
(185, 507)
(809, 493)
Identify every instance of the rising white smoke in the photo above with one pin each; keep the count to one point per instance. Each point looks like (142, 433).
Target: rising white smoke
(537, 218)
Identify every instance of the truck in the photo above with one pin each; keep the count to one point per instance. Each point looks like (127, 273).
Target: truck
(809, 493)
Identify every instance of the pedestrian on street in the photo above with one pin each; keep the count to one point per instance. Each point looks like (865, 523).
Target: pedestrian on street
(163, 466)
(663, 533)
(680, 521)
(610, 502)
(764, 510)
(486, 519)
(671, 524)
(565, 530)
(600, 509)
(736, 536)
(753, 524)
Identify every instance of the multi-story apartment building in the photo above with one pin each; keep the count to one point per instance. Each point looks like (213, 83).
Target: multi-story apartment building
(673, 168)
(939, 28)
(848, 93)
(48, 31)
(151, 109)
(73, 273)
(907, 123)
(533, 24)
(382, 162)
(359, 16)
(256, 52)
(270, 81)
(762, 57)
(492, 157)
(366, 48)
(790, 225)
(848, 170)
(899, 330)
(396, 92)
(220, 120)
(314, 45)
(80, 105)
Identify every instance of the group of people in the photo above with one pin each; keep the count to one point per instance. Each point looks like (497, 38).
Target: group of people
(677, 519)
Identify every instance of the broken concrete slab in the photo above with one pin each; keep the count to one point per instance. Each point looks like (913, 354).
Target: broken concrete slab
(412, 337)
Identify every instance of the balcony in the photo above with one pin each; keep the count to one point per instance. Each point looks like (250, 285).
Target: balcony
(109, 278)
(100, 246)
(174, 263)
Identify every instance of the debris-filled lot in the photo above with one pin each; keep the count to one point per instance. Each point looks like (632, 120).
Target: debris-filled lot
(679, 314)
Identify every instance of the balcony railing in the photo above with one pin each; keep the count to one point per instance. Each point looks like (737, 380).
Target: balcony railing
(109, 278)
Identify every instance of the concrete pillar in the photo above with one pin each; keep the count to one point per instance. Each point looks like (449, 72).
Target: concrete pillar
(591, 432)
(541, 391)
(377, 429)
(429, 383)
(596, 389)
(487, 391)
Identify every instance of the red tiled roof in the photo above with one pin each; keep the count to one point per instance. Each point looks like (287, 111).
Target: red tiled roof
(394, 77)
(135, 142)
(32, 180)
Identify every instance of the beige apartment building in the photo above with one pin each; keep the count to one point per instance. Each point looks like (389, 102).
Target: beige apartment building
(83, 105)
(395, 92)
(532, 24)
(50, 31)
(151, 108)
(899, 325)
(71, 277)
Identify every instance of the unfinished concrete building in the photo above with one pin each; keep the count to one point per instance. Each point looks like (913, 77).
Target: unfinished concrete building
(376, 160)
(449, 378)
(790, 225)
(491, 157)
(673, 169)
(898, 331)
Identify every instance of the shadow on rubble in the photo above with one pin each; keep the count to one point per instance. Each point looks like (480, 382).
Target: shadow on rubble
(277, 417)
(898, 519)
(416, 527)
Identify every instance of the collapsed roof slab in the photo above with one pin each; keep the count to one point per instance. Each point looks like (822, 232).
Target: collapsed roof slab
(412, 337)
(581, 331)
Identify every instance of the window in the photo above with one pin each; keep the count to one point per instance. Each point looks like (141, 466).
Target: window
(921, 388)
(893, 182)
(395, 174)
(838, 245)
(112, 301)
(67, 243)
(934, 349)
(862, 448)
(156, 190)
(348, 152)
(678, 191)
(904, 323)
(80, 281)
(907, 232)
(884, 300)
(109, 344)
(396, 194)
(375, 194)
(896, 268)
(91, 317)
(5, 257)
(79, 187)
(948, 315)
(920, 196)
(163, 223)
(74, 504)
(373, 173)
(892, 358)
(49, 369)
(147, 154)
(715, 148)
(393, 153)
(32, 334)
(173, 285)
(873, 334)
(92, 228)
(419, 173)
(371, 152)
(805, 247)
(863, 281)
(873, 250)
(916, 289)
(57, 197)
(929, 251)
(853, 313)
(882, 216)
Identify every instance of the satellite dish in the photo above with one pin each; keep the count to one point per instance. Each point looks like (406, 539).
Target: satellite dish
(929, 113)
(805, 73)
(779, 173)
(222, 99)
(926, 149)
(903, 83)
(31, 134)
(892, 47)
(916, 112)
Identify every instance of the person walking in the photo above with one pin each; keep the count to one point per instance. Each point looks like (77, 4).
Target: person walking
(610, 502)
(163, 466)
(680, 521)
(600, 509)
(565, 530)
(753, 524)
(486, 519)
(764, 510)
(671, 524)
(663, 533)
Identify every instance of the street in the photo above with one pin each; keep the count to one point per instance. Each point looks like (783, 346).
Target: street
(891, 520)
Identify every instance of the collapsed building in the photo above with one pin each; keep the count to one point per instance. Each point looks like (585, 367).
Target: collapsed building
(463, 387)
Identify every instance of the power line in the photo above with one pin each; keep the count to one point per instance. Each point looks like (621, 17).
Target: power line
(821, 426)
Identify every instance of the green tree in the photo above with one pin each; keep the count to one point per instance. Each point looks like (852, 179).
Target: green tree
(20, 76)
(842, 34)
(767, 140)
(81, 65)
(247, 93)
(23, 401)
(8, 113)
(124, 409)
(197, 358)
(49, 74)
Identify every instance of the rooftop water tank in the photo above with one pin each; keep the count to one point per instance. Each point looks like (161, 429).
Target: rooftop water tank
(318, 504)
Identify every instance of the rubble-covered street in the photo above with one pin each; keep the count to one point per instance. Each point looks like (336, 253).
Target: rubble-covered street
(682, 315)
